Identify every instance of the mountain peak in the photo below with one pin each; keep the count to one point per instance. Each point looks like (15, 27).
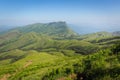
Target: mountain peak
(53, 28)
(61, 22)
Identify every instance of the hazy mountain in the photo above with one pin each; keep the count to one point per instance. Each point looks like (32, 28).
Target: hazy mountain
(96, 36)
(116, 33)
(87, 29)
(4, 28)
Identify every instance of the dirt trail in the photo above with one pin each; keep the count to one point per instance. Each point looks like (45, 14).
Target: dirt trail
(71, 76)
(27, 64)
(6, 76)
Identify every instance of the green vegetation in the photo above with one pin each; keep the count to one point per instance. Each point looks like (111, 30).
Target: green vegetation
(54, 52)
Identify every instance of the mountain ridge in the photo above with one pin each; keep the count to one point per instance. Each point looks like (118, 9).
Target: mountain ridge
(53, 28)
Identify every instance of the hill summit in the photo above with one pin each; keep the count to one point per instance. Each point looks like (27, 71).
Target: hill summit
(52, 29)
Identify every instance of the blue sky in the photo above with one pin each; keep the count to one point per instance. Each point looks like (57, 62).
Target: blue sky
(90, 14)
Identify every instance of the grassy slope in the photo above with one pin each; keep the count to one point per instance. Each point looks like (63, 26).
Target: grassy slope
(36, 65)
(20, 65)
(40, 42)
(27, 55)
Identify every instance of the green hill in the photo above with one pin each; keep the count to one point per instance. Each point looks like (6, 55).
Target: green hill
(54, 28)
(96, 36)
(52, 51)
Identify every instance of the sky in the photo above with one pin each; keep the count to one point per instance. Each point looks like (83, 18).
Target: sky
(83, 15)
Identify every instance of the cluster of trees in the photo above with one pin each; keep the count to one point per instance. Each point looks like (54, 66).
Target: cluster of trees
(103, 65)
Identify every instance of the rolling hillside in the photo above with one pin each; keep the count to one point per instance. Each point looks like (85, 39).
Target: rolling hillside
(53, 51)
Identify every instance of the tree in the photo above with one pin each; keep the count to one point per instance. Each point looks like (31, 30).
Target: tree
(116, 48)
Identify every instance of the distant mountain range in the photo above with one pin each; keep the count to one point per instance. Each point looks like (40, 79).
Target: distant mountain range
(50, 28)
(31, 36)
(87, 29)
(4, 28)
(55, 28)
(117, 33)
